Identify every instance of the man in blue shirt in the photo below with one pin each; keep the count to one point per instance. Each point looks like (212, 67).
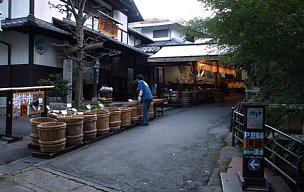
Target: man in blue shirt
(144, 96)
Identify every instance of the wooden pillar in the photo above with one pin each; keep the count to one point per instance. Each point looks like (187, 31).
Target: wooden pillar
(9, 113)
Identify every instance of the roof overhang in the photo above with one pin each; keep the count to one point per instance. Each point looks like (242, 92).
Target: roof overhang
(181, 59)
(128, 7)
(192, 52)
(23, 24)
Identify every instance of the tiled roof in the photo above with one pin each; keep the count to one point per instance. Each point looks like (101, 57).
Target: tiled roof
(154, 47)
(32, 21)
(149, 49)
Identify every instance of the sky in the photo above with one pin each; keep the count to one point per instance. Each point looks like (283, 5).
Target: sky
(175, 10)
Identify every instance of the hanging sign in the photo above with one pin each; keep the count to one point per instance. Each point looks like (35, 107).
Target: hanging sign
(28, 103)
(107, 26)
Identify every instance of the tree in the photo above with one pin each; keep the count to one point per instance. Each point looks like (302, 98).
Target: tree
(77, 8)
(264, 37)
(82, 10)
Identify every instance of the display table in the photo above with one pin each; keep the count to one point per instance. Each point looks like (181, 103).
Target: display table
(159, 103)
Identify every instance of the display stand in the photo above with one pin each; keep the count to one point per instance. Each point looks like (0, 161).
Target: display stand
(252, 178)
(9, 109)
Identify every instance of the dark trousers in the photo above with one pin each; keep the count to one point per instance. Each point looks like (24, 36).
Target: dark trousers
(146, 105)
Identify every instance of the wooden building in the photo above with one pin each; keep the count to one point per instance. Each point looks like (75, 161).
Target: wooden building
(34, 32)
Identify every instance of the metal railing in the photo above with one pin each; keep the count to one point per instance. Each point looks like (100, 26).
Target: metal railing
(284, 154)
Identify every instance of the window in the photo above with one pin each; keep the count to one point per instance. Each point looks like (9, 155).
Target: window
(160, 33)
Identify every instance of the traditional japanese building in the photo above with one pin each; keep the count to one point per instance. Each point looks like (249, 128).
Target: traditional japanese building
(35, 32)
(177, 64)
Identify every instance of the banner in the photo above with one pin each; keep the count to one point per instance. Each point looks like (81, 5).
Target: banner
(107, 26)
(28, 103)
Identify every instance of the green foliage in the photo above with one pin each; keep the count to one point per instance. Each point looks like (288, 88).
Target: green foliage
(61, 87)
(274, 116)
(264, 37)
(193, 29)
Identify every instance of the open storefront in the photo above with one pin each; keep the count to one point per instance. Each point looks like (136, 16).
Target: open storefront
(192, 68)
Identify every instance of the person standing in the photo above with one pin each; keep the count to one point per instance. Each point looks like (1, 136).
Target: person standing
(144, 96)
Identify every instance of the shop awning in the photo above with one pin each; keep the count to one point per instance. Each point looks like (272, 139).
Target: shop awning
(180, 53)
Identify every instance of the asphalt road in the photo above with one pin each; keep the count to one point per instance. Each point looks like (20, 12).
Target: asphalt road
(178, 152)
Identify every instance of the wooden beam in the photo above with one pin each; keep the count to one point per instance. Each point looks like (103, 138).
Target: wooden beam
(88, 47)
(24, 88)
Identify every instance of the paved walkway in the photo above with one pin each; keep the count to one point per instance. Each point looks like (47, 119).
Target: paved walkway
(174, 153)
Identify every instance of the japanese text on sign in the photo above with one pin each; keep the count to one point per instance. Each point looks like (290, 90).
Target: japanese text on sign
(253, 152)
(255, 118)
(253, 143)
(253, 135)
(105, 25)
(28, 103)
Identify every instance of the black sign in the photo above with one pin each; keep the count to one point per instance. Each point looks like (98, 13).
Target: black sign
(253, 140)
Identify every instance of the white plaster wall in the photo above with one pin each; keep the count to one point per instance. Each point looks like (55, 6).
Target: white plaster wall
(51, 56)
(123, 19)
(131, 41)
(20, 8)
(4, 9)
(174, 32)
(45, 12)
(147, 31)
(88, 24)
(20, 45)
(137, 42)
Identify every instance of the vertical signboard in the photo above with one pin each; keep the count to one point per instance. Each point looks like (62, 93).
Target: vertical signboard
(253, 141)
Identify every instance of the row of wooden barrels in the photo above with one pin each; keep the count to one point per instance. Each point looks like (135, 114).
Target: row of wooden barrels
(191, 97)
(56, 132)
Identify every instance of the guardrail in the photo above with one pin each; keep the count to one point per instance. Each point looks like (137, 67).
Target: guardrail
(283, 153)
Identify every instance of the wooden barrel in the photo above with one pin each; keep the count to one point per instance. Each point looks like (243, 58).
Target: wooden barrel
(52, 136)
(131, 104)
(151, 110)
(134, 114)
(56, 114)
(74, 130)
(125, 116)
(114, 120)
(89, 126)
(194, 96)
(51, 114)
(174, 97)
(36, 121)
(186, 98)
(103, 121)
(106, 93)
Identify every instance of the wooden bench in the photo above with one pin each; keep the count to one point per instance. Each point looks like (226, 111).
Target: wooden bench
(159, 103)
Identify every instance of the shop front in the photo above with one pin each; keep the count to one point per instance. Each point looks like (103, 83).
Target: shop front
(192, 70)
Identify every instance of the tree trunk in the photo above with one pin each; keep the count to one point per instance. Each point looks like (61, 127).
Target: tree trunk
(80, 62)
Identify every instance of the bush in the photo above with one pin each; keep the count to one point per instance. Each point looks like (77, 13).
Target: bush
(61, 89)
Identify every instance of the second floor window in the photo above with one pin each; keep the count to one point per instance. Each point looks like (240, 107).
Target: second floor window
(160, 33)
